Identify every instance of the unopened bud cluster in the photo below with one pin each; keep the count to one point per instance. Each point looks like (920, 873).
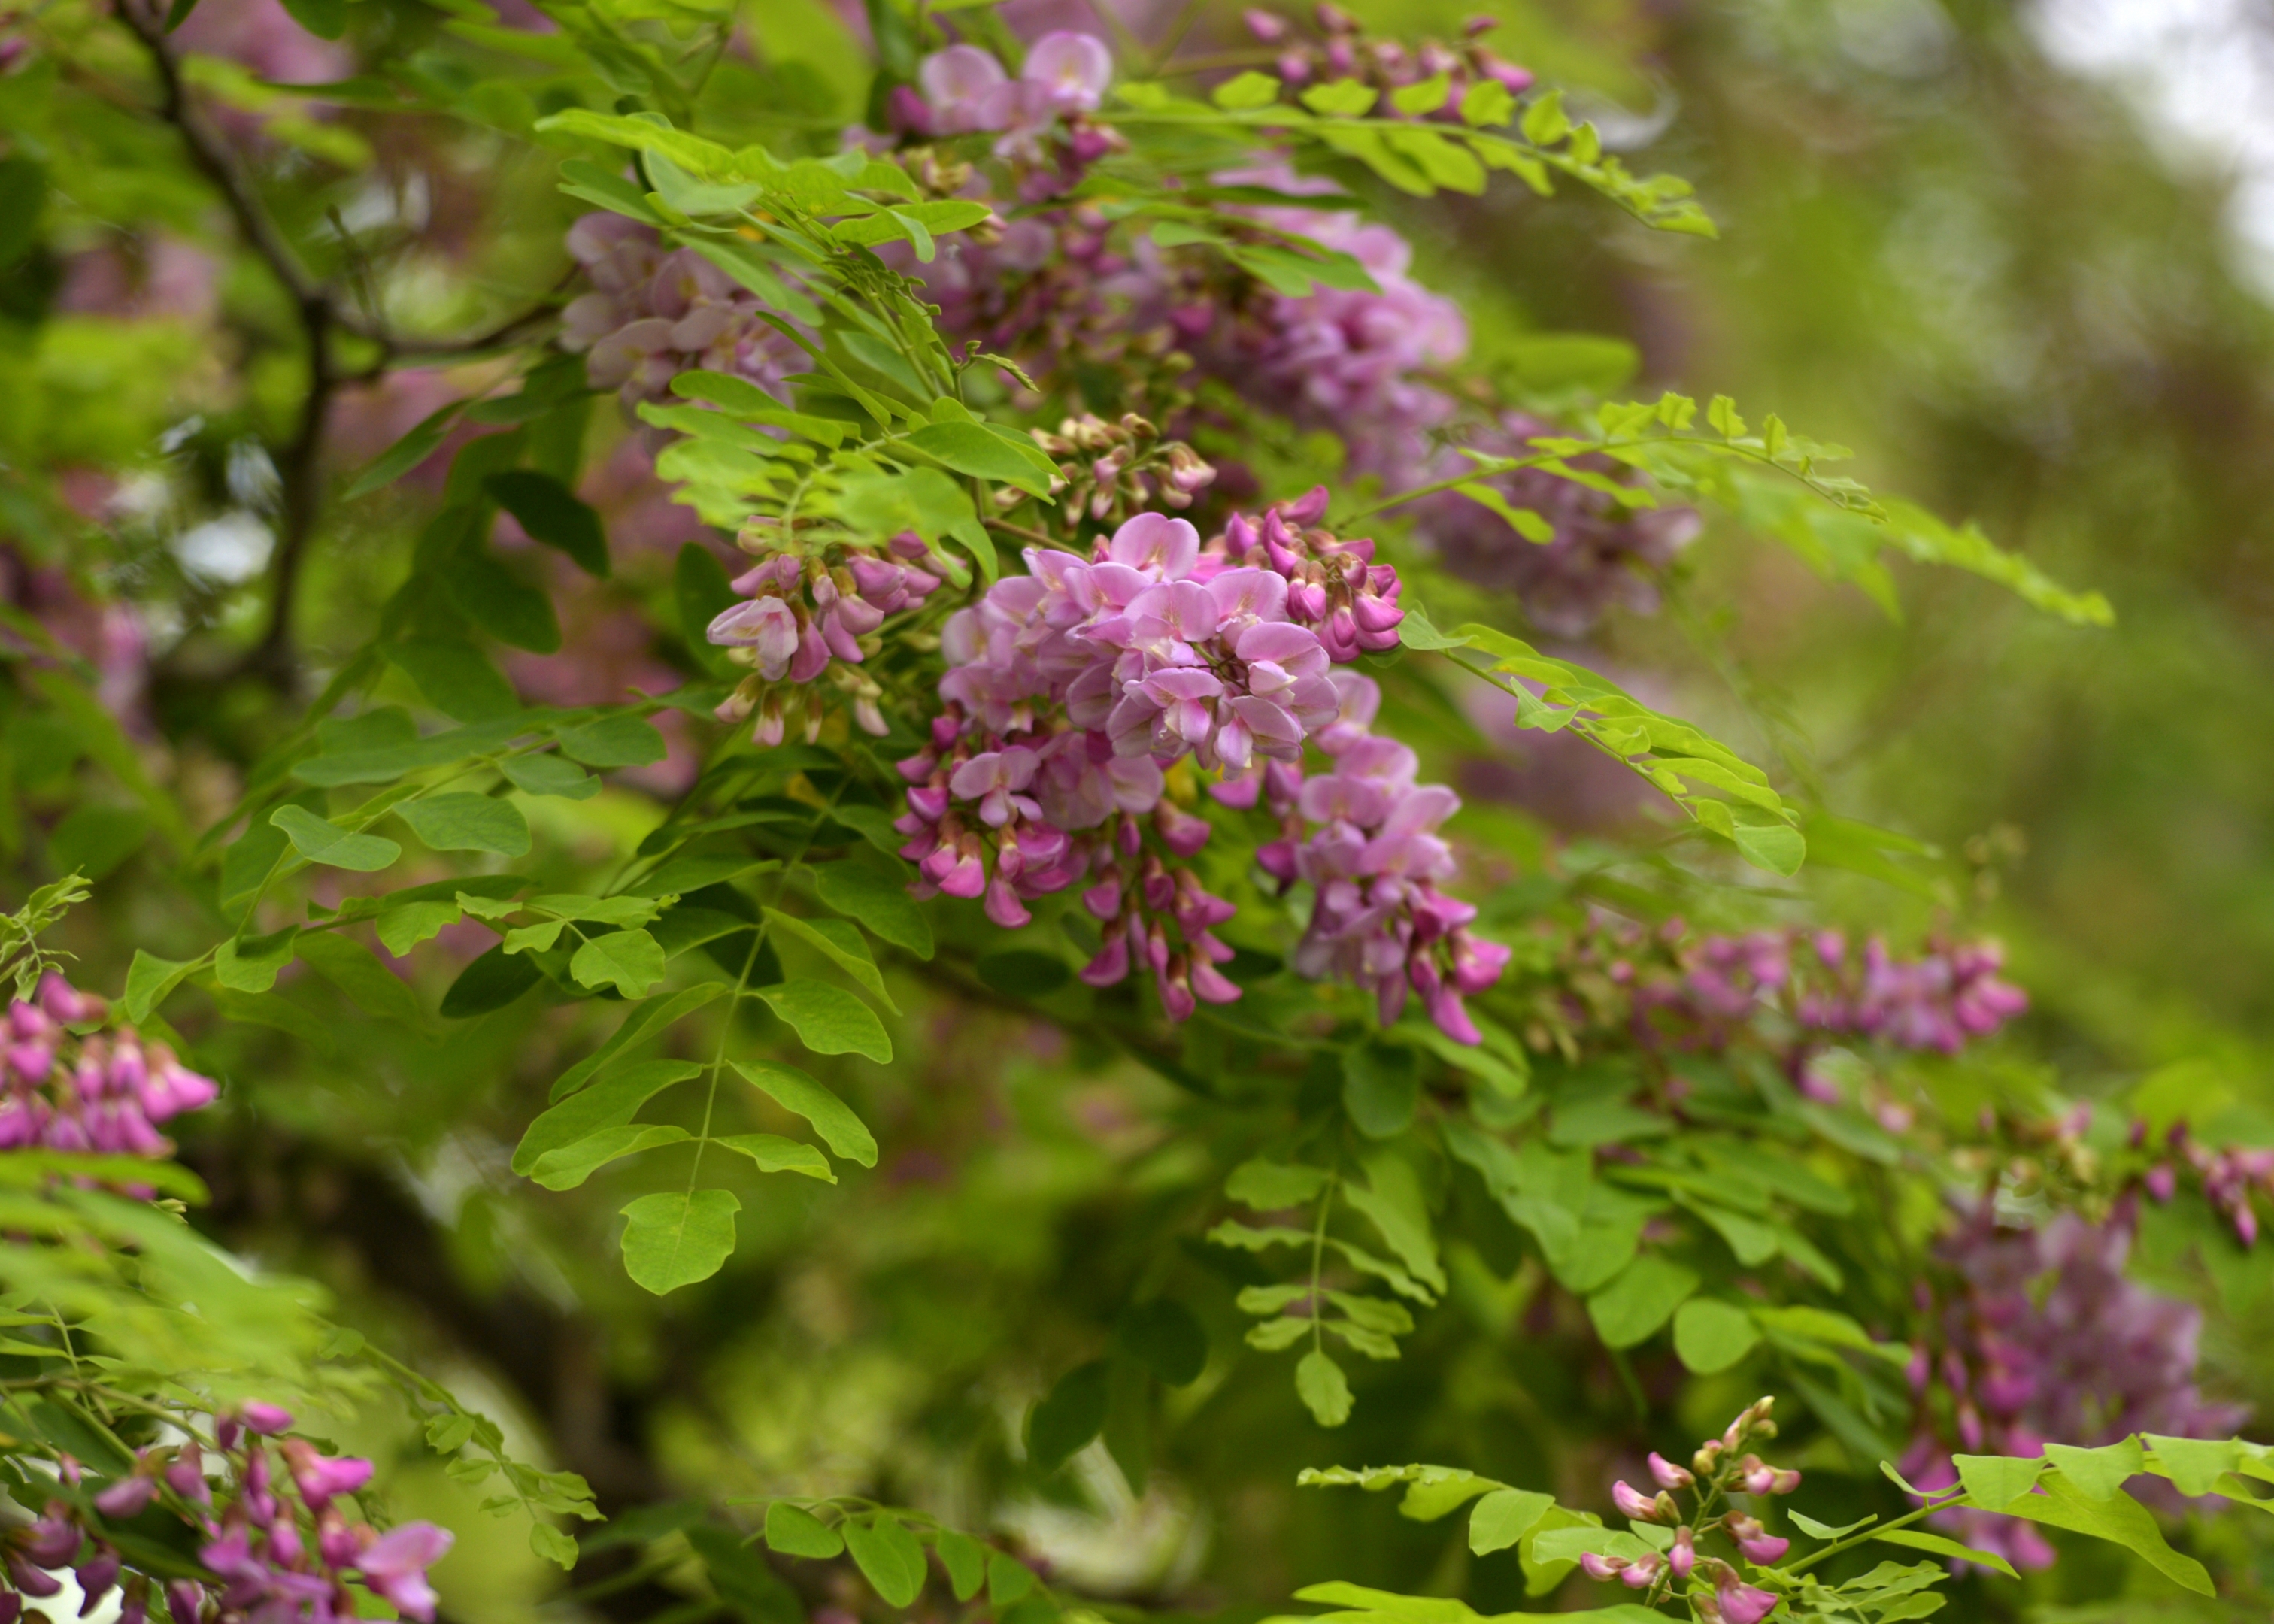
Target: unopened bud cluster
(807, 615)
(1722, 1468)
(1112, 469)
(1343, 51)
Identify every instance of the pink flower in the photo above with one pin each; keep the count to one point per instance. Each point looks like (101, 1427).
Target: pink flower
(394, 1566)
(1633, 1505)
(1072, 69)
(1742, 1604)
(1667, 1474)
(766, 626)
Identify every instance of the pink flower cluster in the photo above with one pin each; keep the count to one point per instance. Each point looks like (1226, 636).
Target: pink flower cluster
(1345, 52)
(280, 1545)
(1072, 688)
(2229, 1175)
(1699, 992)
(1373, 857)
(2039, 1335)
(102, 1093)
(1354, 362)
(653, 314)
(964, 89)
(805, 612)
(1721, 1467)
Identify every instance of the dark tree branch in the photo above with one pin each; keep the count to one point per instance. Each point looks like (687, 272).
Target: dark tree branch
(321, 312)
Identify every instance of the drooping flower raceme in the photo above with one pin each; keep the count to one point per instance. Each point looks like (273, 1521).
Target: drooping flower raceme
(104, 1092)
(1802, 989)
(807, 613)
(274, 1527)
(1071, 691)
(1363, 837)
(2041, 1337)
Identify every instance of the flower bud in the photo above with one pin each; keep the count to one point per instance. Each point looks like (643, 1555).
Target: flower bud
(1633, 1506)
(1669, 1475)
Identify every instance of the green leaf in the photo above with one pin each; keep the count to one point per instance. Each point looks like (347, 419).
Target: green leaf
(1778, 848)
(1248, 90)
(631, 961)
(965, 1559)
(1008, 1579)
(881, 904)
(1523, 521)
(2098, 1474)
(1392, 1201)
(459, 821)
(673, 1240)
(554, 1546)
(251, 964)
(888, 1557)
(499, 601)
(327, 19)
(423, 440)
(773, 1154)
(799, 1094)
(1346, 98)
(491, 982)
(1643, 1296)
(1504, 1516)
(1487, 102)
(610, 1103)
(1323, 1388)
(551, 513)
(1164, 1336)
(841, 945)
(1273, 1186)
(615, 742)
(1938, 1544)
(548, 775)
(1545, 123)
(456, 678)
(1381, 1089)
(972, 448)
(743, 1578)
(1710, 1335)
(828, 1019)
(2121, 1521)
(92, 839)
(1993, 1481)
(648, 1017)
(572, 1164)
(2192, 1464)
(322, 841)
(795, 1531)
(348, 964)
(402, 928)
(1068, 1416)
